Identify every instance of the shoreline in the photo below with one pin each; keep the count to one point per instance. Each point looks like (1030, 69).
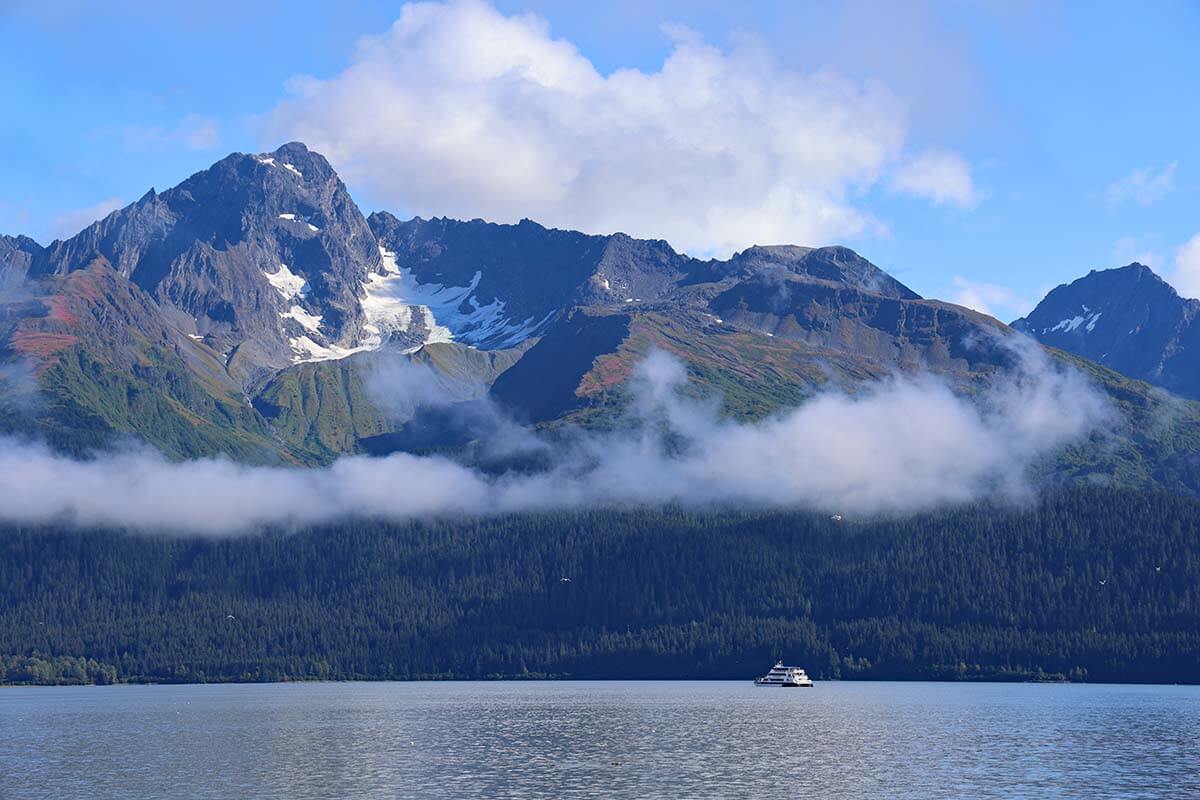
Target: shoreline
(517, 679)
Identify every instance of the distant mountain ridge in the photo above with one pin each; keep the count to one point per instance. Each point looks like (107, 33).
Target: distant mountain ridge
(1128, 319)
(246, 311)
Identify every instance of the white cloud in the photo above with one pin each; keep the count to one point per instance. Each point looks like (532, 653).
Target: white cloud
(193, 131)
(199, 133)
(1186, 275)
(460, 110)
(900, 446)
(938, 175)
(1145, 186)
(1129, 249)
(14, 217)
(989, 298)
(70, 223)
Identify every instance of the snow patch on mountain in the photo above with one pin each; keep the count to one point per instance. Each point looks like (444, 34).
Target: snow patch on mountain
(1066, 325)
(308, 351)
(270, 162)
(454, 313)
(287, 283)
(293, 218)
(395, 304)
(1072, 323)
(311, 322)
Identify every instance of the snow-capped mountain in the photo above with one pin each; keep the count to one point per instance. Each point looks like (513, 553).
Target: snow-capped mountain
(261, 257)
(1128, 319)
(249, 310)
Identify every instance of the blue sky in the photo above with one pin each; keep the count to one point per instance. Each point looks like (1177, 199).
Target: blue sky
(980, 152)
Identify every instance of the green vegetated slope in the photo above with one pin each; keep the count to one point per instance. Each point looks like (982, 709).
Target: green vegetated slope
(331, 408)
(1092, 584)
(157, 401)
(1151, 440)
(97, 385)
(99, 381)
(322, 407)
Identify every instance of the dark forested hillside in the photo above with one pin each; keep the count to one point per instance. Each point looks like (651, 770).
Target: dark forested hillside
(1092, 584)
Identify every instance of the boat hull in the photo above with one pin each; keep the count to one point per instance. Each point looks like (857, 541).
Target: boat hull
(807, 685)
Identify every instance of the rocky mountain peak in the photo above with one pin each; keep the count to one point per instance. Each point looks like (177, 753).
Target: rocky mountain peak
(1131, 293)
(19, 242)
(1128, 319)
(263, 256)
(773, 253)
(16, 255)
(1135, 276)
(838, 265)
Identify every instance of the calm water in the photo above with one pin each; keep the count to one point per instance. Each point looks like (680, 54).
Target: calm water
(526, 740)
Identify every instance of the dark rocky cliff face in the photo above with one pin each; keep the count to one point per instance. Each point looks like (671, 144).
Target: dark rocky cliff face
(527, 274)
(593, 301)
(16, 255)
(1127, 319)
(830, 297)
(908, 333)
(833, 265)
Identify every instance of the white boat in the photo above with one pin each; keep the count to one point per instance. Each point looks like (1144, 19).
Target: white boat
(788, 677)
